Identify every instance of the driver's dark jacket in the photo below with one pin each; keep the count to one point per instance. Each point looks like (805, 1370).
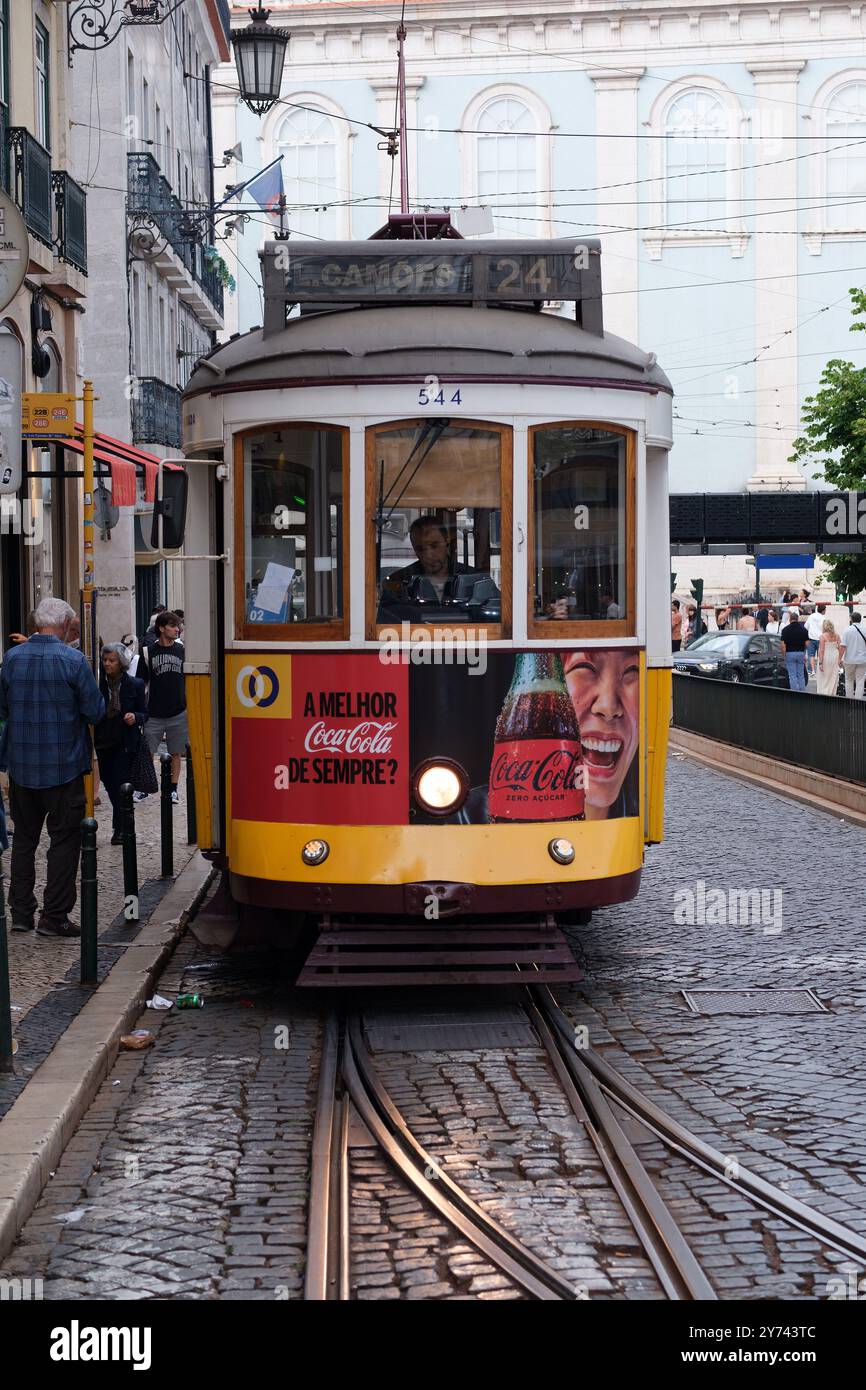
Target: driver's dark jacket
(393, 585)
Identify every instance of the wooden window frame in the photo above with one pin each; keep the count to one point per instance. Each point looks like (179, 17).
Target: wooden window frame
(490, 632)
(338, 629)
(562, 629)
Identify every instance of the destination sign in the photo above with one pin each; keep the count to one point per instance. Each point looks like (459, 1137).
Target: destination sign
(462, 276)
(447, 271)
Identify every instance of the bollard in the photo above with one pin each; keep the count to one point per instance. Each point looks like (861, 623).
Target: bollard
(191, 827)
(166, 823)
(5, 998)
(88, 902)
(130, 855)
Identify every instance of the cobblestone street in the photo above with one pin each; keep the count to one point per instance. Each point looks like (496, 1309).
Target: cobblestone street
(189, 1176)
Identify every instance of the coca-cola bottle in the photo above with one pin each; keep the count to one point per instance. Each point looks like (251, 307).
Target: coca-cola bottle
(536, 772)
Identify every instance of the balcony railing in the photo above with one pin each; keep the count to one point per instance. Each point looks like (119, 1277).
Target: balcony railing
(156, 413)
(70, 202)
(32, 182)
(149, 195)
(4, 151)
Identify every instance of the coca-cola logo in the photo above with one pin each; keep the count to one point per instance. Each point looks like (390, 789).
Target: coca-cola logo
(370, 736)
(559, 771)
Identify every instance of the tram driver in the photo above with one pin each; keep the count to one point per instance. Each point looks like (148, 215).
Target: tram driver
(437, 581)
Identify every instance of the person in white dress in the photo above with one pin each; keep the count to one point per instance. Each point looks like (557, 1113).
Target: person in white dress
(829, 660)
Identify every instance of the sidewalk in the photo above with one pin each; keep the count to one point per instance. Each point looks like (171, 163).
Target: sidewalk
(68, 1036)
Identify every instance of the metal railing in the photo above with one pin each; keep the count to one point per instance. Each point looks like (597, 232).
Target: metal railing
(70, 202)
(156, 416)
(823, 732)
(5, 162)
(149, 195)
(32, 182)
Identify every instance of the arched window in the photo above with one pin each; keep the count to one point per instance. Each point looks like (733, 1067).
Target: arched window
(846, 167)
(307, 141)
(506, 165)
(696, 161)
(696, 168)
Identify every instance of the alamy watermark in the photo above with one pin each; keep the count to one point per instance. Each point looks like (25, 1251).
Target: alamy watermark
(733, 907)
(19, 518)
(434, 646)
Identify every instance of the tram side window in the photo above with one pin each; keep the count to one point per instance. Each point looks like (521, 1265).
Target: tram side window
(437, 523)
(579, 513)
(293, 526)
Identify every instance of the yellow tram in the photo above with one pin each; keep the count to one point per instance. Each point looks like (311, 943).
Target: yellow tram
(428, 677)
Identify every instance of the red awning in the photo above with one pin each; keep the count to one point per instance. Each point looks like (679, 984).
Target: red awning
(124, 460)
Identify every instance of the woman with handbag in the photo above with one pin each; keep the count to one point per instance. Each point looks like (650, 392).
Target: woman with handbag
(117, 738)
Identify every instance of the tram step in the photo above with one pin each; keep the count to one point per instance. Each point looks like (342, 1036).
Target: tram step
(393, 954)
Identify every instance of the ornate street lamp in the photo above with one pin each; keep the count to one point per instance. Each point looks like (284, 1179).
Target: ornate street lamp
(94, 24)
(260, 51)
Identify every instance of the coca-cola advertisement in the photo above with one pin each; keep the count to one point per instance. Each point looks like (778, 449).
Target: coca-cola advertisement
(543, 735)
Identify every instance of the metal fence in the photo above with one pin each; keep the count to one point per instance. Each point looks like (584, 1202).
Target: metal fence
(33, 183)
(70, 201)
(822, 732)
(149, 195)
(156, 413)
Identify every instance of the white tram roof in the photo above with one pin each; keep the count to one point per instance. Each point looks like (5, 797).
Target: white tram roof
(357, 344)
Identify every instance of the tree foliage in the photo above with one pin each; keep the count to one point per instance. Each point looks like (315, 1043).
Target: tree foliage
(834, 441)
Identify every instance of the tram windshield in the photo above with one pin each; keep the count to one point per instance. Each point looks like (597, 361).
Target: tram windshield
(579, 524)
(436, 499)
(293, 526)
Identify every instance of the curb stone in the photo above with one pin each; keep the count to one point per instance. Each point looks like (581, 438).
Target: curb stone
(39, 1125)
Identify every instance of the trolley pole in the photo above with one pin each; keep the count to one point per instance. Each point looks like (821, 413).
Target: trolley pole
(87, 596)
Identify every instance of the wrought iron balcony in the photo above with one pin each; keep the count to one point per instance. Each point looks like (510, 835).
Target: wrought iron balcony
(149, 195)
(32, 182)
(156, 413)
(4, 152)
(70, 202)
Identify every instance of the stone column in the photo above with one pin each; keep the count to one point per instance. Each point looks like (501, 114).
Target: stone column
(775, 115)
(617, 163)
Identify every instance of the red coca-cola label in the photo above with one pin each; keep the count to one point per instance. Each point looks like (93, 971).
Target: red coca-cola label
(536, 779)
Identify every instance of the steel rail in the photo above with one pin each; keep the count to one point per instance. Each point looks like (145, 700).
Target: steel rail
(667, 1249)
(326, 1277)
(772, 1198)
(391, 1133)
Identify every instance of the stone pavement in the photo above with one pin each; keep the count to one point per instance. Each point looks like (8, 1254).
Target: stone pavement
(37, 962)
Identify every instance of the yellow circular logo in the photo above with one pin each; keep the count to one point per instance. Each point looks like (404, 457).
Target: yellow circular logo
(257, 686)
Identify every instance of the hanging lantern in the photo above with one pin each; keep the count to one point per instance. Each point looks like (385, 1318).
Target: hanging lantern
(260, 51)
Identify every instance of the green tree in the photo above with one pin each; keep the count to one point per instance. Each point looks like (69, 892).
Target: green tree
(834, 440)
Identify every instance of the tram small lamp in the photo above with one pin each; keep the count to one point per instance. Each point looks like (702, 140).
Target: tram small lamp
(440, 786)
(561, 850)
(315, 852)
(260, 52)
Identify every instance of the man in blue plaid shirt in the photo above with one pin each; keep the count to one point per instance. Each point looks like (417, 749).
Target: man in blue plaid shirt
(48, 696)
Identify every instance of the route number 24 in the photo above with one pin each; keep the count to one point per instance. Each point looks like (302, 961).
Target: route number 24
(426, 397)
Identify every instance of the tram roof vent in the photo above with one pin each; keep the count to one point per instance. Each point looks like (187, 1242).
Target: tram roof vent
(477, 273)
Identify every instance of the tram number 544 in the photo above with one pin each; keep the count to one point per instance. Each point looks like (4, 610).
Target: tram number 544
(432, 393)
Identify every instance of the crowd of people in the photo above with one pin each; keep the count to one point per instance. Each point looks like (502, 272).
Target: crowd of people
(810, 642)
(49, 699)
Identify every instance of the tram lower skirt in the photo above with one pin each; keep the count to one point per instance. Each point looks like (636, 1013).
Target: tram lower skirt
(394, 953)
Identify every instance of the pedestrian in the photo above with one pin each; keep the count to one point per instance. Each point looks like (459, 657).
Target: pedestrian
(814, 632)
(854, 642)
(746, 621)
(150, 633)
(118, 736)
(829, 659)
(161, 666)
(130, 641)
(723, 619)
(803, 596)
(695, 625)
(762, 617)
(48, 696)
(676, 625)
(17, 637)
(794, 649)
(773, 623)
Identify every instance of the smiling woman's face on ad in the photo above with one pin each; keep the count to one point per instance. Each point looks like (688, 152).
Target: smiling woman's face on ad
(605, 690)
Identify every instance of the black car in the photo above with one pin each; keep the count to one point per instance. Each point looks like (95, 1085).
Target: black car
(753, 657)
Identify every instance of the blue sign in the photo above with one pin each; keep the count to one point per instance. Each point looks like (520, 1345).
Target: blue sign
(785, 562)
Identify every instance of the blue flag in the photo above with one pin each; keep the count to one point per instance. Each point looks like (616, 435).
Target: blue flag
(266, 188)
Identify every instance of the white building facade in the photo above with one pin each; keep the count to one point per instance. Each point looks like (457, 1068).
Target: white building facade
(715, 148)
(143, 149)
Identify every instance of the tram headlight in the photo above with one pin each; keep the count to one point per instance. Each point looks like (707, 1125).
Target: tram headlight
(440, 786)
(315, 852)
(561, 850)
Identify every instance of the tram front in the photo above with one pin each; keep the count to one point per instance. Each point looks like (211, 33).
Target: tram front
(431, 717)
